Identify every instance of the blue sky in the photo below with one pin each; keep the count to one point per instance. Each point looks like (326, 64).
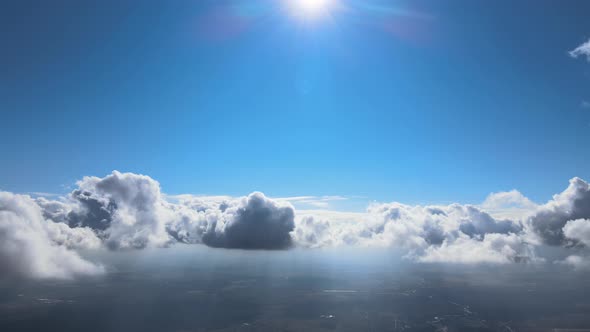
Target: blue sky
(415, 101)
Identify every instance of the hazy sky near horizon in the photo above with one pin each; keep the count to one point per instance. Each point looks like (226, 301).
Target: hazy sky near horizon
(415, 101)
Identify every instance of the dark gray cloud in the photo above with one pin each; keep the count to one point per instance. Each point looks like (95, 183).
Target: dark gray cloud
(255, 222)
(478, 223)
(94, 213)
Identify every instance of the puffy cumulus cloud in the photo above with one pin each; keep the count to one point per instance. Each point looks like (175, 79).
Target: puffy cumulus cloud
(72, 238)
(252, 222)
(55, 210)
(129, 210)
(582, 51)
(491, 248)
(475, 222)
(467, 233)
(193, 218)
(549, 219)
(202, 203)
(436, 224)
(126, 210)
(312, 233)
(506, 227)
(509, 204)
(31, 246)
(452, 233)
(578, 230)
(322, 231)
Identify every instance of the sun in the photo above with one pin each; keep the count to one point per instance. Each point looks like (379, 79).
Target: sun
(313, 6)
(310, 9)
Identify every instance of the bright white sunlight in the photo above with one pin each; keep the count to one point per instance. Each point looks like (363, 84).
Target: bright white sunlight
(311, 9)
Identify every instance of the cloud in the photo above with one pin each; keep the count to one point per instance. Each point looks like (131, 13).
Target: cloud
(447, 233)
(72, 238)
(478, 223)
(320, 202)
(577, 262)
(510, 204)
(92, 210)
(497, 231)
(578, 230)
(33, 247)
(573, 203)
(126, 210)
(491, 248)
(317, 232)
(581, 51)
(253, 222)
(459, 233)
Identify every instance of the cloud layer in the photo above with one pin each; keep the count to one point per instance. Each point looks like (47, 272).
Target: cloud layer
(39, 237)
(451, 233)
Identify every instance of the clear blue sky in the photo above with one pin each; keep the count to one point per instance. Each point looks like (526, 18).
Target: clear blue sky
(415, 101)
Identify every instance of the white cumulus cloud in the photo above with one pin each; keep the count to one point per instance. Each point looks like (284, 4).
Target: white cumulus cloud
(579, 230)
(33, 247)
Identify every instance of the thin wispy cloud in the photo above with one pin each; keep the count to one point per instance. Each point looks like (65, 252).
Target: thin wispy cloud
(42, 194)
(581, 51)
(322, 202)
